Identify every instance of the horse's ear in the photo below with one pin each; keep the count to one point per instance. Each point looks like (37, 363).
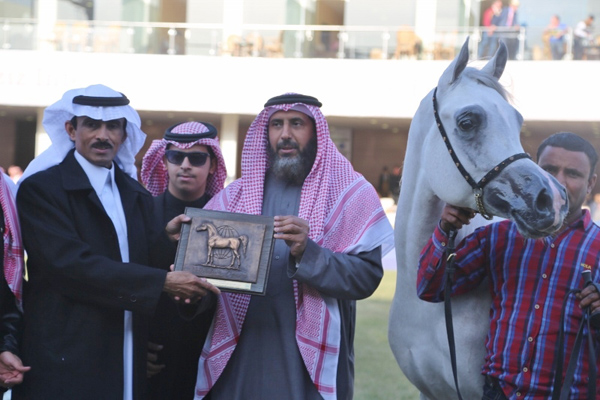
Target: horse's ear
(495, 66)
(457, 66)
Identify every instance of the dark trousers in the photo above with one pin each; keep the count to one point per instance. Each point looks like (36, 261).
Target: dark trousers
(492, 390)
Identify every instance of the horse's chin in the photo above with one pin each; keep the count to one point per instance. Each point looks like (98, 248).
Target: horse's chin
(531, 231)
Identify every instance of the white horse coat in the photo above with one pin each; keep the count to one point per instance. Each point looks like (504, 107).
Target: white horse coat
(483, 129)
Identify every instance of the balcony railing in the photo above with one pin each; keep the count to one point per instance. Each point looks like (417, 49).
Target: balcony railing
(299, 41)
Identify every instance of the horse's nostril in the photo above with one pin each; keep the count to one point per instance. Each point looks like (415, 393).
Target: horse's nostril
(543, 201)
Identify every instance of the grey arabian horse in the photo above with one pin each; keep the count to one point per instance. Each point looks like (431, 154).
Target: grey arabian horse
(483, 129)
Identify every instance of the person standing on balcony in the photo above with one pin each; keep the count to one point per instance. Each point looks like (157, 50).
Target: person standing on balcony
(90, 233)
(491, 18)
(582, 35)
(296, 341)
(556, 36)
(184, 169)
(509, 31)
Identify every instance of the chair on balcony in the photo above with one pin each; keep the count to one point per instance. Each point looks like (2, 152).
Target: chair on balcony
(274, 46)
(407, 43)
(232, 47)
(445, 45)
(79, 37)
(376, 54)
(107, 39)
(253, 45)
(59, 37)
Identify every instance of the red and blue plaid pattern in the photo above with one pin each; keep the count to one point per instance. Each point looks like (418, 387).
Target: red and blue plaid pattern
(528, 282)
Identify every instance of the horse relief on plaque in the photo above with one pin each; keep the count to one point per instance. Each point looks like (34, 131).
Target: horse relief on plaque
(233, 251)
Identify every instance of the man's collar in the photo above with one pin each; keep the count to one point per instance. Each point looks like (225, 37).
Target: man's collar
(97, 175)
(586, 219)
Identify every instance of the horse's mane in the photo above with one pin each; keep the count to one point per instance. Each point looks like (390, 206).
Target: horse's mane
(485, 79)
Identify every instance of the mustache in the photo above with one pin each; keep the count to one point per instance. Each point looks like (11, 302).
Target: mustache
(287, 144)
(102, 145)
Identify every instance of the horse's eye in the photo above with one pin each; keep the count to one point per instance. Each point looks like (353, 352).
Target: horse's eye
(465, 125)
(468, 122)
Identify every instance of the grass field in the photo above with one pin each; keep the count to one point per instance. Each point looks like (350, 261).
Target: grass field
(378, 376)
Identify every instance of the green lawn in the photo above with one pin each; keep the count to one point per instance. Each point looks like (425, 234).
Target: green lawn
(378, 376)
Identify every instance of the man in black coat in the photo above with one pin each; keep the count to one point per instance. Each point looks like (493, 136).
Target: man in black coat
(90, 234)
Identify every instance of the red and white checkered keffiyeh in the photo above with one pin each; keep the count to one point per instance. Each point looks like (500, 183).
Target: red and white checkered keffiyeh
(13, 247)
(154, 174)
(344, 215)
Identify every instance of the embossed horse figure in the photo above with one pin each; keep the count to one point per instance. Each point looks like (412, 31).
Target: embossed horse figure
(483, 129)
(216, 241)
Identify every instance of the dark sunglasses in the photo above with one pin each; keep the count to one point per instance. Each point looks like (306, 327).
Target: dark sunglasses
(197, 159)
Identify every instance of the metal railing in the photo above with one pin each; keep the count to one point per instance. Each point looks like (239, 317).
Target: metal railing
(299, 41)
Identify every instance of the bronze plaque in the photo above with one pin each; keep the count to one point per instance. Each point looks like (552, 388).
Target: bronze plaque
(233, 251)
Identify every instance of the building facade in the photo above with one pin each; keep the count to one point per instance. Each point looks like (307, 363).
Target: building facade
(369, 61)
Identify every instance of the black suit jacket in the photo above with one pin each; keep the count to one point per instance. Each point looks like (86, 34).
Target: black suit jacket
(78, 287)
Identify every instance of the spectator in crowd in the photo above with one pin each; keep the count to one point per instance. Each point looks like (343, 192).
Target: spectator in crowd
(490, 20)
(11, 282)
(582, 36)
(395, 178)
(384, 182)
(15, 172)
(509, 31)
(556, 31)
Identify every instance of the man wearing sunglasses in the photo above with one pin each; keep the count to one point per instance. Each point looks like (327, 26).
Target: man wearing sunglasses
(296, 341)
(89, 230)
(184, 169)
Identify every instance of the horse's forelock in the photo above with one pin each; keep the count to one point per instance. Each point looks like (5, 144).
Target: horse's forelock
(486, 80)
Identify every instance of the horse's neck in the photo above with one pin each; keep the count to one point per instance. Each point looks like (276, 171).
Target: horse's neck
(211, 229)
(417, 214)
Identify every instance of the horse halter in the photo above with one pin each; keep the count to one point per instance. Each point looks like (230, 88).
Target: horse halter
(477, 186)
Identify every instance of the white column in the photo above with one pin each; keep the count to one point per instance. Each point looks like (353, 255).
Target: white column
(425, 18)
(42, 140)
(233, 18)
(46, 16)
(228, 136)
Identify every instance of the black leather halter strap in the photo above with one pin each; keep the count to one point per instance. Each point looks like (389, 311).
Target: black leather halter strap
(477, 186)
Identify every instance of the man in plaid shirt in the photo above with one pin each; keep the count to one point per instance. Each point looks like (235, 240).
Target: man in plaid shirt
(528, 280)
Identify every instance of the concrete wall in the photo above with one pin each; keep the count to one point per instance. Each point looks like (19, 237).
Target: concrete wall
(543, 90)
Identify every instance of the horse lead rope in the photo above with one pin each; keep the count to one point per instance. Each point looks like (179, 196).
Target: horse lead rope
(449, 274)
(560, 391)
(476, 186)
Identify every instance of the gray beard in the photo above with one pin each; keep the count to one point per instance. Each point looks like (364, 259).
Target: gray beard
(294, 169)
(289, 169)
